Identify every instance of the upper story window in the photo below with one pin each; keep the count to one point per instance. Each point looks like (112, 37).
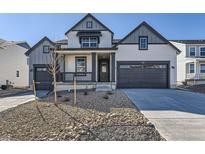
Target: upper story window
(46, 49)
(191, 68)
(89, 24)
(192, 51)
(89, 42)
(143, 43)
(202, 51)
(202, 68)
(80, 64)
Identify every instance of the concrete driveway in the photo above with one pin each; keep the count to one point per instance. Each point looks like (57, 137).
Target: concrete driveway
(13, 101)
(177, 115)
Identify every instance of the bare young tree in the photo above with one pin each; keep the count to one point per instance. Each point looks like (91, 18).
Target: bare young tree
(54, 62)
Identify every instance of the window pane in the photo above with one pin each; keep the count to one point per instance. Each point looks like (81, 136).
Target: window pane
(93, 44)
(46, 49)
(143, 43)
(191, 68)
(80, 65)
(85, 45)
(202, 69)
(89, 24)
(202, 51)
(80, 69)
(192, 51)
(89, 42)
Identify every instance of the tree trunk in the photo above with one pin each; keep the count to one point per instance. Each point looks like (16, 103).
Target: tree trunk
(54, 82)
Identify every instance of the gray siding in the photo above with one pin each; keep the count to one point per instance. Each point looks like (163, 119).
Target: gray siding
(143, 31)
(82, 25)
(38, 57)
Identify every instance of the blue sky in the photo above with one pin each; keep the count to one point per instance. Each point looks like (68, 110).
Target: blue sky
(32, 27)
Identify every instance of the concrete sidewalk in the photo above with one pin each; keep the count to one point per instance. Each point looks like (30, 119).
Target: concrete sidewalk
(177, 115)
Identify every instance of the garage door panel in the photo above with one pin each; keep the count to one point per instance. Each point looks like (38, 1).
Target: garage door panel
(142, 75)
(43, 78)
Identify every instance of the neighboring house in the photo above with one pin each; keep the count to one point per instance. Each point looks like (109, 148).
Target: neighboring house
(13, 63)
(142, 59)
(191, 62)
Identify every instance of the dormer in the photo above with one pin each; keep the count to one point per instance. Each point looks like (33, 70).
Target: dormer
(89, 32)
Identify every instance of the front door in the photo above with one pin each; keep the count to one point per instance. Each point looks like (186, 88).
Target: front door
(103, 70)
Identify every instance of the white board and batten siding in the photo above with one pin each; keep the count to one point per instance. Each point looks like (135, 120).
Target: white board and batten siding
(158, 50)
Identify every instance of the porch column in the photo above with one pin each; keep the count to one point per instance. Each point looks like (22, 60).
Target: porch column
(94, 67)
(113, 67)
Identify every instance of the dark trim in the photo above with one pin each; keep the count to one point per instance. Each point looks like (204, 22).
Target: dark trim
(76, 57)
(139, 42)
(47, 47)
(113, 67)
(88, 15)
(36, 45)
(70, 49)
(145, 62)
(97, 37)
(108, 62)
(94, 67)
(151, 29)
(75, 74)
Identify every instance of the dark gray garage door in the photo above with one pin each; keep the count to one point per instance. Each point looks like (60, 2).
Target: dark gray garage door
(43, 78)
(143, 74)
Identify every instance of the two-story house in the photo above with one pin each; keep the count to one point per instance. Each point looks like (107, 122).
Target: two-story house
(13, 63)
(142, 59)
(191, 61)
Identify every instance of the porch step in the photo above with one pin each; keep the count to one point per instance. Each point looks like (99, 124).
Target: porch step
(103, 87)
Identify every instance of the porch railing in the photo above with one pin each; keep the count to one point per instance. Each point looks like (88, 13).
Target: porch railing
(195, 76)
(80, 77)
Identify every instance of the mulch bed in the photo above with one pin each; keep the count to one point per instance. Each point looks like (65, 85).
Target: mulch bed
(96, 117)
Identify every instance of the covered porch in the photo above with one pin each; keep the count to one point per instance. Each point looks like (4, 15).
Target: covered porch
(90, 68)
(195, 71)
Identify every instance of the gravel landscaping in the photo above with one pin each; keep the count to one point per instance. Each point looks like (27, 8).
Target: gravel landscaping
(98, 116)
(195, 88)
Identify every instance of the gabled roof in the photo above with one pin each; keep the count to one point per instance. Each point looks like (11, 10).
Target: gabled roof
(88, 15)
(63, 41)
(36, 45)
(151, 29)
(190, 41)
(4, 43)
(23, 44)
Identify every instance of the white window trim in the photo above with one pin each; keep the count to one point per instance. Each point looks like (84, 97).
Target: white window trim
(200, 67)
(200, 50)
(190, 69)
(190, 51)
